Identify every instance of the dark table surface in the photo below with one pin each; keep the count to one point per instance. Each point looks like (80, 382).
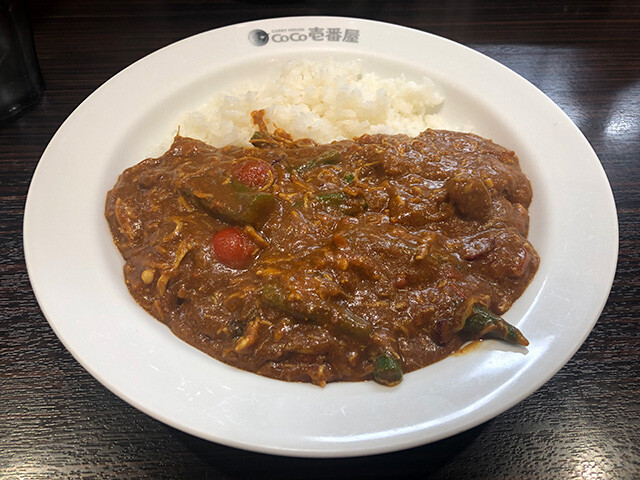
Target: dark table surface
(57, 421)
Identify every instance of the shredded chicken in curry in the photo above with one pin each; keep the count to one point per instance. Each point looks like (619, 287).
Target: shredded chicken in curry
(360, 259)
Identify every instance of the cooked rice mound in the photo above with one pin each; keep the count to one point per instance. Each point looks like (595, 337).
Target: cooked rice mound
(325, 101)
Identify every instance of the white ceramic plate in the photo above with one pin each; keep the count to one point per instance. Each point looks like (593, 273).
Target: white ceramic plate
(76, 271)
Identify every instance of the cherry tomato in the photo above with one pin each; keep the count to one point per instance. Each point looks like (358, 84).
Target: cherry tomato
(233, 247)
(254, 173)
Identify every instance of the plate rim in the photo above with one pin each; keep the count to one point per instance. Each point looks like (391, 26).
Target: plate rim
(363, 450)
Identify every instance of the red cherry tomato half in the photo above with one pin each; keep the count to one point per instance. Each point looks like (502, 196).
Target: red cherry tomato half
(254, 173)
(233, 247)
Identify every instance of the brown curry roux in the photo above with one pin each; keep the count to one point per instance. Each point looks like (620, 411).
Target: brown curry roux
(333, 257)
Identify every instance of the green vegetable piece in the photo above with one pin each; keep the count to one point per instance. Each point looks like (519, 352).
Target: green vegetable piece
(239, 186)
(332, 198)
(353, 324)
(483, 323)
(330, 157)
(228, 204)
(325, 314)
(387, 370)
(253, 207)
(243, 207)
(349, 178)
(272, 296)
(347, 204)
(263, 140)
(279, 298)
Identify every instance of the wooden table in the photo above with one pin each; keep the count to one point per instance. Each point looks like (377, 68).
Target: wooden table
(57, 421)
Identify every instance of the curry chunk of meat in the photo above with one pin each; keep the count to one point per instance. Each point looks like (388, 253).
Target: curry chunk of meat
(361, 259)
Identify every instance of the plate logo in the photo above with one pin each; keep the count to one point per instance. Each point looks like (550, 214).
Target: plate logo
(259, 37)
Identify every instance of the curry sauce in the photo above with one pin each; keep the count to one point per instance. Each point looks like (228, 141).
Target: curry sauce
(360, 259)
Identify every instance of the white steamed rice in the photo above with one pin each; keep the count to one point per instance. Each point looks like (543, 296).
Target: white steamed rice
(325, 101)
